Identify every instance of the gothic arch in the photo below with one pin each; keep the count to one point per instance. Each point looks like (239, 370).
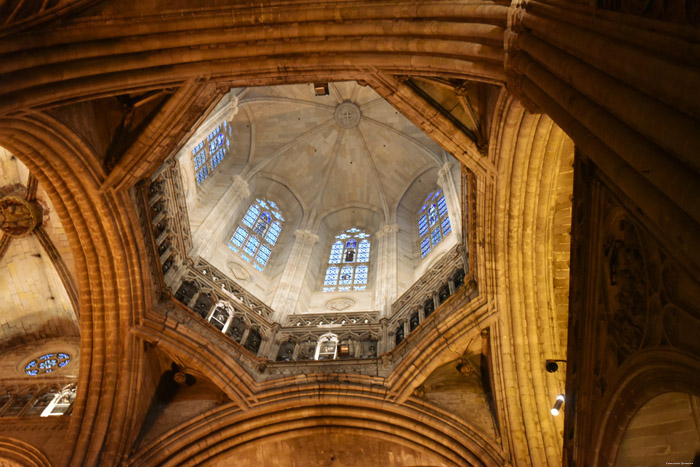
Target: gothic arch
(228, 428)
(24, 454)
(646, 375)
(106, 251)
(527, 152)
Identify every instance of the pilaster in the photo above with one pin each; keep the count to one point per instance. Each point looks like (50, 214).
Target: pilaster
(289, 288)
(386, 282)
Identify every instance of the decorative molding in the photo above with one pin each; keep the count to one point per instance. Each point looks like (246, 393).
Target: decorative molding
(340, 304)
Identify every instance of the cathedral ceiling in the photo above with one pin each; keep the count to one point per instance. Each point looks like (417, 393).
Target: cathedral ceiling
(349, 148)
(36, 283)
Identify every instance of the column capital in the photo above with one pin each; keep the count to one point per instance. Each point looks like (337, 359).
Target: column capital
(387, 229)
(444, 173)
(306, 236)
(232, 106)
(240, 186)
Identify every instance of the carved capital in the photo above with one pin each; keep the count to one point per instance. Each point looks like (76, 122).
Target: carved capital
(240, 187)
(444, 174)
(306, 236)
(387, 229)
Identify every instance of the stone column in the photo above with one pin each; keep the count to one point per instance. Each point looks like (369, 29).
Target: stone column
(386, 281)
(285, 300)
(449, 189)
(218, 226)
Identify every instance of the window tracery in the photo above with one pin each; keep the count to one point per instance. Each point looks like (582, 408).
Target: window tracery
(257, 234)
(348, 262)
(209, 153)
(47, 363)
(433, 222)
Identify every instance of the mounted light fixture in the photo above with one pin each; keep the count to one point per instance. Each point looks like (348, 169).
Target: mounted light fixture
(551, 365)
(321, 89)
(557, 404)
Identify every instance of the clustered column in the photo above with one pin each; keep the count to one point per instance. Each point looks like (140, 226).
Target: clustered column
(289, 288)
(386, 282)
(449, 188)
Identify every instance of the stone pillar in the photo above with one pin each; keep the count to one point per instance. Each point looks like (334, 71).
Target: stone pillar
(285, 300)
(219, 223)
(386, 281)
(449, 188)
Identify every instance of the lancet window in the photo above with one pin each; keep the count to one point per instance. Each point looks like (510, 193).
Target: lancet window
(433, 222)
(348, 263)
(257, 234)
(209, 153)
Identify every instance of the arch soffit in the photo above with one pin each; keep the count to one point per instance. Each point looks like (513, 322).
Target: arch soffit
(227, 428)
(411, 186)
(23, 453)
(371, 220)
(99, 229)
(648, 373)
(283, 202)
(524, 150)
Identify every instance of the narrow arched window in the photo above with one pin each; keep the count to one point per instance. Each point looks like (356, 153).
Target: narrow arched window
(257, 233)
(433, 222)
(348, 263)
(209, 153)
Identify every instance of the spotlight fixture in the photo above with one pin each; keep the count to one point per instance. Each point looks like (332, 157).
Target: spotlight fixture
(551, 365)
(557, 404)
(321, 89)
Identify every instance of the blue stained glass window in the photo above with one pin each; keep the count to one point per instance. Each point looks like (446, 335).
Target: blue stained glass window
(361, 274)
(432, 215)
(363, 252)
(336, 253)
(446, 227)
(262, 223)
(264, 232)
(239, 237)
(202, 174)
(423, 225)
(47, 363)
(424, 246)
(273, 233)
(346, 275)
(217, 158)
(199, 159)
(442, 206)
(435, 237)
(218, 141)
(331, 276)
(263, 255)
(209, 153)
(251, 215)
(435, 224)
(252, 244)
(346, 250)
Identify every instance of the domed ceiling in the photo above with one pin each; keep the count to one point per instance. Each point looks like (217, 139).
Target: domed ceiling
(347, 148)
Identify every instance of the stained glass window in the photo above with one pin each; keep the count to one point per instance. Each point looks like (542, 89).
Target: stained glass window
(348, 262)
(257, 233)
(47, 363)
(433, 222)
(208, 154)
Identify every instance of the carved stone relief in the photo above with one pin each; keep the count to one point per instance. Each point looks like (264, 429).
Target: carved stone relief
(340, 304)
(239, 272)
